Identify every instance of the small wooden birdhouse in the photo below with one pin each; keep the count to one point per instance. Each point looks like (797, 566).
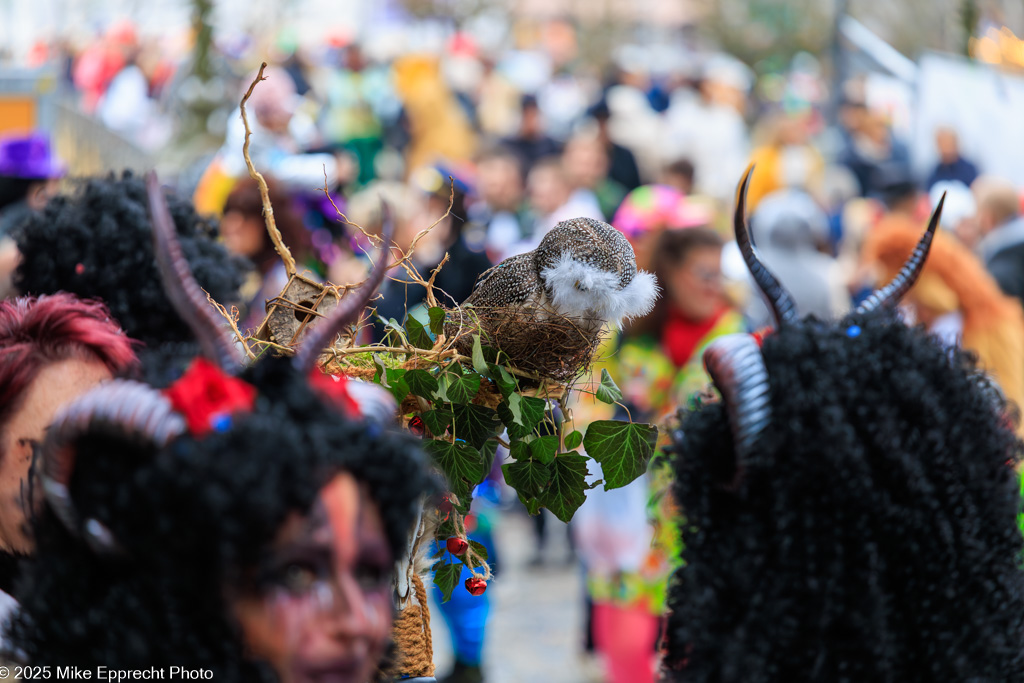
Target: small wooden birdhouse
(300, 307)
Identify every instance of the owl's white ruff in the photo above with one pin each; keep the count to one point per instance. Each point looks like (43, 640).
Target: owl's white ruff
(580, 290)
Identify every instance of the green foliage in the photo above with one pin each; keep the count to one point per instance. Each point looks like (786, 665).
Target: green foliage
(446, 577)
(608, 391)
(421, 383)
(418, 335)
(436, 315)
(622, 448)
(544, 463)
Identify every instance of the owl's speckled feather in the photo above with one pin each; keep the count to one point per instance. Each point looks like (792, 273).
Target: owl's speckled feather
(583, 269)
(591, 242)
(513, 282)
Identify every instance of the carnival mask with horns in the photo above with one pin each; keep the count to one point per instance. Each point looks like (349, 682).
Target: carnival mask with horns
(209, 393)
(735, 362)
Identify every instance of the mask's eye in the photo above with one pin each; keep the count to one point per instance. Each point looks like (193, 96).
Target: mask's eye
(298, 578)
(373, 576)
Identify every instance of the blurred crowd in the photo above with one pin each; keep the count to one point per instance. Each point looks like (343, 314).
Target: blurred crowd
(494, 148)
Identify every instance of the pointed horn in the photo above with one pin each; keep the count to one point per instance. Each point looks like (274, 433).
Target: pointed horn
(182, 289)
(738, 371)
(891, 294)
(122, 408)
(351, 306)
(778, 299)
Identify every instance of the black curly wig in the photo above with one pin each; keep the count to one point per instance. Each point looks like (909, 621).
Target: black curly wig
(193, 517)
(98, 243)
(871, 534)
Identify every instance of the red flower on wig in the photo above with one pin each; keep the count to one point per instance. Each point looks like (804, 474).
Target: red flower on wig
(207, 397)
(335, 388)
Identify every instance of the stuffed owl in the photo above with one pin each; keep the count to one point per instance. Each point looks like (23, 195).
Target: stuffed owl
(584, 270)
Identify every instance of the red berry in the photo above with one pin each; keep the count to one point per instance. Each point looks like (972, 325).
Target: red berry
(416, 426)
(456, 545)
(444, 508)
(476, 586)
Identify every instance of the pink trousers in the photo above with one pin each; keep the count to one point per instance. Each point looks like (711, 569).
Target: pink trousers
(625, 637)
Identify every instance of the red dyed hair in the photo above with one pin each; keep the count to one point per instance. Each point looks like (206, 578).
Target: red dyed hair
(37, 331)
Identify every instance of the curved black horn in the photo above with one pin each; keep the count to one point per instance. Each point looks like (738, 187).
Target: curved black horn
(891, 294)
(182, 289)
(781, 303)
(737, 368)
(351, 306)
(122, 408)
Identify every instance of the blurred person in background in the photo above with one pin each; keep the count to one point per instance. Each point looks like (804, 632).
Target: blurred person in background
(622, 166)
(871, 148)
(52, 349)
(788, 160)
(625, 537)
(792, 236)
(586, 165)
(952, 166)
(552, 201)
(281, 134)
(959, 213)
(956, 300)
(359, 96)
(679, 176)
(126, 106)
(1002, 233)
(101, 61)
(244, 232)
(438, 127)
(706, 125)
(531, 143)
(29, 175)
(500, 206)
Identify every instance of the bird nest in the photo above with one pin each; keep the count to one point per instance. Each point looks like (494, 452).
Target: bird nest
(535, 340)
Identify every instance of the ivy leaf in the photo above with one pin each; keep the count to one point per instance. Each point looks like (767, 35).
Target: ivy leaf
(446, 577)
(488, 451)
(564, 494)
(573, 440)
(479, 549)
(395, 335)
(528, 478)
(479, 363)
(503, 378)
(421, 383)
(475, 424)
(544, 449)
(532, 505)
(520, 450)
(462, 388)
(417, 334)
(531, 411)
(381, 376)
(462, 465)
(622, 448)
(436, 315)
(437, 421)
(515, 406)
(399, 389)
(608, 391)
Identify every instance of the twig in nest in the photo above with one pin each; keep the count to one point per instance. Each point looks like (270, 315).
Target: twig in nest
(268, 210)
(431, 300)
(233, 321)
(374, 239)
(407, 255)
